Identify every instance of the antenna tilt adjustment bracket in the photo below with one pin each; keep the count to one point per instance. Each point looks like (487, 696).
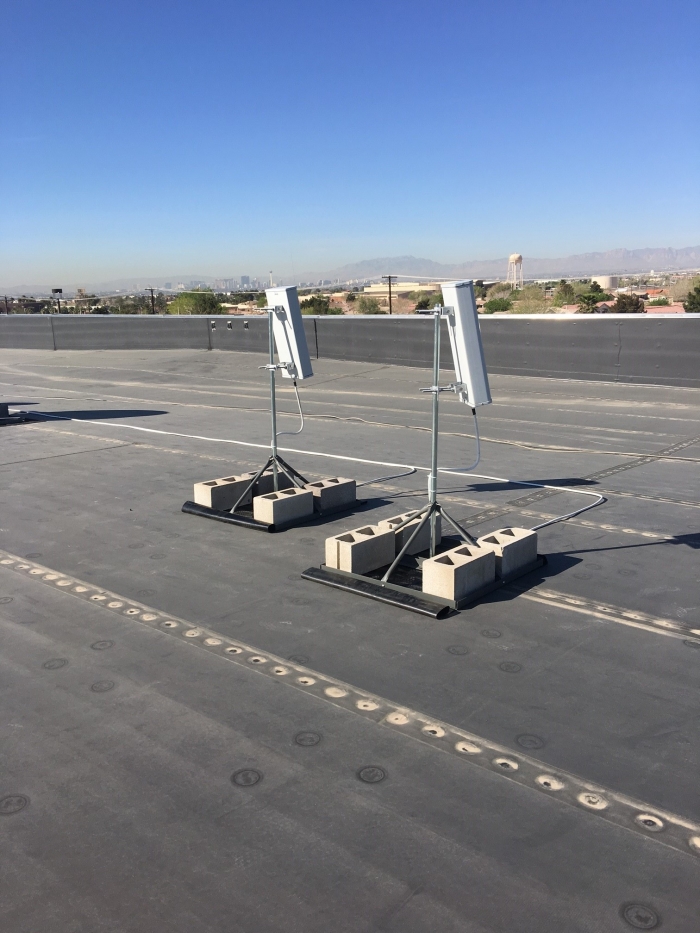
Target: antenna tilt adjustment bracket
(273, 367)
(434, 389)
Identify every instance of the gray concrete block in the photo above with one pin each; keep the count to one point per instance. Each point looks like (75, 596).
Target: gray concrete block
(459, 572)
(335, 493)
(361, 550)
(422, 540)
(266, 483)
(514, 548)
(287, 505)
(223, 493)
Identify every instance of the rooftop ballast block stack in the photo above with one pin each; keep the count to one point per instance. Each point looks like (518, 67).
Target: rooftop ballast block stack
(422, 540)
(362, 550)
(457, 573)
(515, 549)
(283, 507)
(332, 495)
(222, 494)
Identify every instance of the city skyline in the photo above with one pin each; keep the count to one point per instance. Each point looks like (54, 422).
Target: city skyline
(620, 262)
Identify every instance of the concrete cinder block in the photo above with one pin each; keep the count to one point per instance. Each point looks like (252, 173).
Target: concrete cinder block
(266, 483)
(361, 550)
(287, 505)
(223, 493)
(335, 493)
(514, 548)
(421, 542)
(459, 572)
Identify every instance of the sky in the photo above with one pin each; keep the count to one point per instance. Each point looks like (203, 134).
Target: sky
(222, 138)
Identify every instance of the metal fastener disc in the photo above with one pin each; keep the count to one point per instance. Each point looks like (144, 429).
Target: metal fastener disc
(639, 916)
(13, 803)
(102, 645)
(307, 739)
(530, 741)
(371, 774)
(102, 686)
(247, 777)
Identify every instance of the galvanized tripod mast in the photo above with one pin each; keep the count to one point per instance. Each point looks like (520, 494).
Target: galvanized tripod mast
(274, 461)
(431, 511)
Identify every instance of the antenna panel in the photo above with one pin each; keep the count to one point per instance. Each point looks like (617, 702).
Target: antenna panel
(288, 331)
(465, 340)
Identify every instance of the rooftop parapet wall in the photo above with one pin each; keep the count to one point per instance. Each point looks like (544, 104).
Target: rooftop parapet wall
(633, 348)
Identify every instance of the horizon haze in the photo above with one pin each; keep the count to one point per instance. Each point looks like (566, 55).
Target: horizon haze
(618, 261)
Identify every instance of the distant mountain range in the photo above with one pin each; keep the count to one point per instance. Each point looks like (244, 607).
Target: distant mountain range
(614, 261)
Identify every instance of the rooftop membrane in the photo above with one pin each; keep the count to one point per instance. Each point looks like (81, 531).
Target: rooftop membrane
(195, 739)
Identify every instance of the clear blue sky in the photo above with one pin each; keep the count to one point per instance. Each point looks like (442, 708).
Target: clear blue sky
(219, 137)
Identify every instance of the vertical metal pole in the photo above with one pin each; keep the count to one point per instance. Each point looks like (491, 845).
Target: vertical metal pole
(432, 480)
(273, 404)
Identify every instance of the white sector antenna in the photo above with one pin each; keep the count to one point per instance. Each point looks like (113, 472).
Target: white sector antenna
(288, 331)
(465, 340)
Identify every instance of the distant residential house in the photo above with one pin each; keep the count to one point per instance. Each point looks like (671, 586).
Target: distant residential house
(666, 309)
(602, 307)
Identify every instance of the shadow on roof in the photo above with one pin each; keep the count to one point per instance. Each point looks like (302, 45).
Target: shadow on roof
(92, 414)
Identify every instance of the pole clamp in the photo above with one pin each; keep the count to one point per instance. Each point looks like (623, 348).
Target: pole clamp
(273, 367)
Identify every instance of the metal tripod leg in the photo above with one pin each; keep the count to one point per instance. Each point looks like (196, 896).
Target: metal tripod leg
(465, 534)
(302, 481)
(290, 475)
(428, 513)
(250, 485)
(411, 516)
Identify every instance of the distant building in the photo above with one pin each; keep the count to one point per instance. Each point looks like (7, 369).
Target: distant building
(607, 282)
(168, 285)
(514, 275)
(674, 308)
(381, 289)
(245, 281)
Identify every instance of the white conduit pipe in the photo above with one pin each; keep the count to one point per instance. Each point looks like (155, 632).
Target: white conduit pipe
(315, 453)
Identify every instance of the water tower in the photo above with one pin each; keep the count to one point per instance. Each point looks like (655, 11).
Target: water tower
(515, 270)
